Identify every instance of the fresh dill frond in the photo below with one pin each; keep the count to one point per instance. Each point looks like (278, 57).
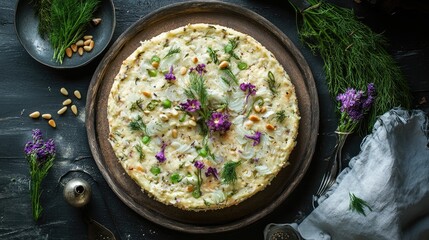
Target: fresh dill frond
(69, 20)
(197, 90)
(136, 105)
(229, 174)
(280, 116)
(138, 125)
(272, 85)
(353, 56)
(213, 55)
(43, 11)
(140, 151)
(230, 75)
(172, 51)
(358, 205)
(231, 46)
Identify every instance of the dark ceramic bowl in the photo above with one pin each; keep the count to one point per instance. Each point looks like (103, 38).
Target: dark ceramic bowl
(26, 26)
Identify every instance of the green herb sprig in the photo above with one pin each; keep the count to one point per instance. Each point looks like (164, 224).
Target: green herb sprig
(353, 56)
(68, 22)
(231, 46)
(172, 51)
(280, 116)
(138, 125)
(213, 55)
(272, 85)
(229, 174)
(230, 77)
(358, 205)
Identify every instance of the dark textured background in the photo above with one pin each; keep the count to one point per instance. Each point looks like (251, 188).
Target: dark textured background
(27, 86)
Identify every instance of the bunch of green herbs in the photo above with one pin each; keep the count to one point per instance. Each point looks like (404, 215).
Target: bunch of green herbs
(64, 22)
(353, 56)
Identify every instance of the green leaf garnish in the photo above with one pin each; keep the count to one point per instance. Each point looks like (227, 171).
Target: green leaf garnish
(231, 46)
(140, 151)
(280, 116)
(358, 204)
(152, 105)
(172, 51)
(136, 105)
(152, 72)
(272, 85)
(197, 90)
(230, 75)
(213, 55)
(138, 125)
(229, 174)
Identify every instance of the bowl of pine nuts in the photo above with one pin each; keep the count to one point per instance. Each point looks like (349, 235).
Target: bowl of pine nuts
(94, 37)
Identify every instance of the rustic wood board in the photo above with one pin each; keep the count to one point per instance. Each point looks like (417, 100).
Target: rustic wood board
(171, 17)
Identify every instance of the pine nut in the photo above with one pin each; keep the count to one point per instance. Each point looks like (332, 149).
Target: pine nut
(192, 123)
(77, 94)
(224, 64)
(257, 108)
(254, 118)
(87, 42)
(147, 94)
(69, 52)
(35, 114)
(270, 127)
(64, 91)
(87, 48)
(80, 51)
(79, 43)
(248, 124)
(155, 64)
(86, 37)
(73, 47)
(92, 43)
(62, 110)
(174, 133)
(163, 117)
(183, 70)
(47, 116)
(52, 123)
(195, 60)
(74, 109)
(263, 109)
(96, 21)
(67, 102)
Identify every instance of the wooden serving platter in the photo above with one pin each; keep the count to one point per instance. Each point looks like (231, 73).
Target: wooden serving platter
(242, 20)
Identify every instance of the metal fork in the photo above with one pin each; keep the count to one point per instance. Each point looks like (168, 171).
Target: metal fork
(334, 168)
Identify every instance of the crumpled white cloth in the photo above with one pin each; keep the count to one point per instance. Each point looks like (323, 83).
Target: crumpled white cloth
(391, 173)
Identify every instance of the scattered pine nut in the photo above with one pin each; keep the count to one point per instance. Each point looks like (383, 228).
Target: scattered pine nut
(74, 109)
(224, 64)
(79, 43)
(183, 70)
(69, 52)
(35, 114)
(52, 123)
(74, 47)
(77, 94)
(96, 21)
(80, 51)
(257, 108)
(263, 109)
(155, 64)
(254, 118)
(195, 60)
(174, 133)
(62, 110)
(87, 42)
(86, 37)
(47, 116)
(87, 48)
(92, 43)
(147, 94)
(270, 127)
(64, 91)
(67, 102)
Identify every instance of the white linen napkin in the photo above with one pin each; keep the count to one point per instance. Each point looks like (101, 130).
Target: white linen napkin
(391, 173)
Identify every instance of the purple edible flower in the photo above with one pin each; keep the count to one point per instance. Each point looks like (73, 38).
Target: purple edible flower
(41, 150)
(200, 68)
(219, 122)
(256, 138)
(199, 164)
(354, 103)
(191, 105)
(161, 154)
(212, 172)
(170, 76)
(249, 88)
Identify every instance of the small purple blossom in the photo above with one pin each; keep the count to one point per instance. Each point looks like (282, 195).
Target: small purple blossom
(38, 148)
(249, 88)
(200, 68)
(212, 172)
(256, 138)
(161, 154)
(191, 105)
(199, 164)
(170, 76)
(355, 103)
(219, 122)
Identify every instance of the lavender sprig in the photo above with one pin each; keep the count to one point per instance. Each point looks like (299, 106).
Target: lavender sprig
(40, 156)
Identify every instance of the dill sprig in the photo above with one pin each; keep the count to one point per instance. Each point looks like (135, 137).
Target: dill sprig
(68, 22)
(280, 116)
(139, 149)
(172, 51)
(197, 90)
(272, 85)
(358, 204)
(229, 174)
(230, 47)
(213, 55)
(138, 125)
(43, 11)
(137, 105)
(230, 75)
(353, 56)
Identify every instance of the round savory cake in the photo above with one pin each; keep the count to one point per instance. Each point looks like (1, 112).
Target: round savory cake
(202, 117)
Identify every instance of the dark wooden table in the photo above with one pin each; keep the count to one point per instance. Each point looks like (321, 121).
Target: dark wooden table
(27, 86)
